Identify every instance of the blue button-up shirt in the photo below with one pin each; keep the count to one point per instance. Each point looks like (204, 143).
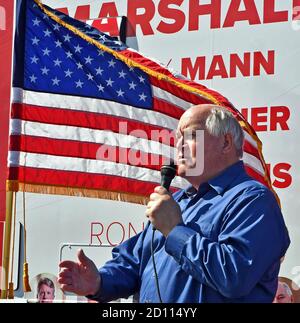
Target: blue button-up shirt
(227, 248)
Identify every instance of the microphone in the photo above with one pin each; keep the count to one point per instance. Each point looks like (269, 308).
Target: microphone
(167, 173)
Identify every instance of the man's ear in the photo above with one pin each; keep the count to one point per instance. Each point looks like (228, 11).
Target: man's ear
(228, 143)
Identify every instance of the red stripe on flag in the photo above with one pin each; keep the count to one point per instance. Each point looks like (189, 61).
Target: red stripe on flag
(78, 149)
(80, 180)
(177, 91)
(248, 148)
(255, 175)
(167, 108)
(90, 120)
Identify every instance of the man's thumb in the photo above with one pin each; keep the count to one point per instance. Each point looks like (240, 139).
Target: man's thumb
(82, 257)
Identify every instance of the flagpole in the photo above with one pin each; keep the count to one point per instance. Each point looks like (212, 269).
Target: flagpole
(7, 241)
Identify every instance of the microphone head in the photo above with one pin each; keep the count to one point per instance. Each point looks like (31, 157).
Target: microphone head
(168, 172)
(169, 169)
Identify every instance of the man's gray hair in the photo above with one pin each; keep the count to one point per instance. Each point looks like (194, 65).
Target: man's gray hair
(220, 122)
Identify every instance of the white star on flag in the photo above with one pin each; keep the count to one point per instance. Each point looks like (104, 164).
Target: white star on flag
(122, 74)
(67, 38)
(99, 71)
(68, 73)
(58, 43)
(55, 81)
(46, 52)
(35, 41)
(78, 49)
(69, 54)
(100, 88)
(47, 33)
(102, 37)
(142, 80)
(45, 70)
(132, 86)
(120, 92)
(143, 97)
(79, 65)
(36, 22)
(33, 78)
(112, 63)
(56, 27)
(79, 84)
(57, 62)
(34, 59)
(109, 82)
(88, 60)
(90, 77)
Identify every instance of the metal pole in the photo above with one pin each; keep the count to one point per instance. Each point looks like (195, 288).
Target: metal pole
(7, 240)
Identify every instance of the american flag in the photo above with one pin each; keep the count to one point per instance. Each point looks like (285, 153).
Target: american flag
(75, 89)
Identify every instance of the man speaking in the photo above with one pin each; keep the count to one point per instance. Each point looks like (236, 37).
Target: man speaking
(219, 240)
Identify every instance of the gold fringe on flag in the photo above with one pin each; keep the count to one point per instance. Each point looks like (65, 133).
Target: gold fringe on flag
(75, 191)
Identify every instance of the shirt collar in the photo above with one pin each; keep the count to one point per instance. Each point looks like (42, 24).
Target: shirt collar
(218, 183)
(223, 180)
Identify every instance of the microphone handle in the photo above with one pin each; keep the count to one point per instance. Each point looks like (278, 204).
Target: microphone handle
(166, 182)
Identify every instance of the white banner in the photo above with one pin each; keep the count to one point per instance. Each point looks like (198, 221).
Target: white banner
(246, 50)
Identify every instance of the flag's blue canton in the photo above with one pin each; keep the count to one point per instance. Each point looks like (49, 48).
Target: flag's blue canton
(58, 61)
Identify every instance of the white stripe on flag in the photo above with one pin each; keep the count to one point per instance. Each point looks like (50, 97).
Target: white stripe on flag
(16, 158)
(75, 103)
(250, 139)
(102, 106)
(254, 163)
(21, 127)
(169, 97)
